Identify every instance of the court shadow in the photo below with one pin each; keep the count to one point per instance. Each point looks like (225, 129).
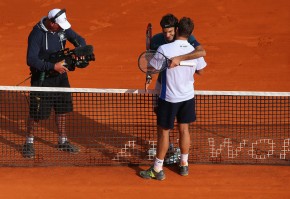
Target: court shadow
(99, 137)
(13, 118)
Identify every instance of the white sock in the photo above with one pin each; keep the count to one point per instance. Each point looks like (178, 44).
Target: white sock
(62, 140)
(184, 159)
(158, 164)
(29, 139)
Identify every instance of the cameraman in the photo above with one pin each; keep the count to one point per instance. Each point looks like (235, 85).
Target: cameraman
(48, 36)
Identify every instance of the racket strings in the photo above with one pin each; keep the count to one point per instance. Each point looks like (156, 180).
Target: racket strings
(152, 62)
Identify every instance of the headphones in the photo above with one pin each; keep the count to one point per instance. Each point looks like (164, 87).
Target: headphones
(57, 15)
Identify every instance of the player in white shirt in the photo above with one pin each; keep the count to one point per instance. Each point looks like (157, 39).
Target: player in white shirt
(176, 100)
(177, 83)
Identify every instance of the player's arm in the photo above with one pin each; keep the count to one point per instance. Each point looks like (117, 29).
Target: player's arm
(201, 64)
(198, 52)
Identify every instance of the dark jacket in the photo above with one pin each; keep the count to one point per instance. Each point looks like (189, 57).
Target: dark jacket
(41, 43)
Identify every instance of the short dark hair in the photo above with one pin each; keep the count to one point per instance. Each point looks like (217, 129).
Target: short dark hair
(185, 27)
(168, 21)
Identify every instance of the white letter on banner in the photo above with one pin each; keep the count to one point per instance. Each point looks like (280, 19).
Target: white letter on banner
(152, 150)
(227, 142)
(285, 149)
(253, 151)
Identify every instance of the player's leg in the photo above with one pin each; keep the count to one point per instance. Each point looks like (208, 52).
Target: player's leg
(172, 153)
(165, 120)
(162, 147)
(185, 116)
(156, 171)
(184, 143)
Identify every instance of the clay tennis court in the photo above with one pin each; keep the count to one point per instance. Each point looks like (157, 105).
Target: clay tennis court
(247, 44)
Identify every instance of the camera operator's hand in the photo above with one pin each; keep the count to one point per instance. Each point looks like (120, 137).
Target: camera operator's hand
(60, 68)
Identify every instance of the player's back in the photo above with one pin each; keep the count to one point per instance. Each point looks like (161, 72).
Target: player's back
(176, 48)
(178, 84)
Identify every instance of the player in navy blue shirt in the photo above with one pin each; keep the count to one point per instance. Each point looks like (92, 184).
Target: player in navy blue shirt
(160, 39)
(168, 24)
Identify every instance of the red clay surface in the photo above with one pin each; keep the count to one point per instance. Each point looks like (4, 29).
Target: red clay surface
(204, 181)
(247, 44)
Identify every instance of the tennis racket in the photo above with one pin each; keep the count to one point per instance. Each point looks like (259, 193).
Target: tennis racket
(148, 44)
(148, 36)
(152, 62)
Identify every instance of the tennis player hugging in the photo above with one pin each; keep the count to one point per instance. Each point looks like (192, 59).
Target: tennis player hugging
(176, 100)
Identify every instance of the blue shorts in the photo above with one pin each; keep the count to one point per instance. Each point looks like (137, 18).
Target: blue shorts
(184, 112)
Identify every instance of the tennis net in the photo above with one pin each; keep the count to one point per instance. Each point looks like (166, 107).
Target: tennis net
(118, 126)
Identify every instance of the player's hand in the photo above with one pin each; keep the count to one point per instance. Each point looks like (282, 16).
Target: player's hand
(60, 68)
(175, 61)
(148, 82)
